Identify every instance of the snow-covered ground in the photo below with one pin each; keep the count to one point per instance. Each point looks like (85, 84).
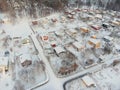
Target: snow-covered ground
(19, 33)
(58, 27)
(65, 30)
(105, 79)
(53, 25)
(6, 83)
(20, 28)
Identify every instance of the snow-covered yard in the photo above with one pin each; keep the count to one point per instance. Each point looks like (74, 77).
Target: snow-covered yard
(21, 74)
(105, 79)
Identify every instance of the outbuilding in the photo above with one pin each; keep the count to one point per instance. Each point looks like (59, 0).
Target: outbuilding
(59, 50)
(94, 42)
(25, 60)
(88, 81)
(78, 46)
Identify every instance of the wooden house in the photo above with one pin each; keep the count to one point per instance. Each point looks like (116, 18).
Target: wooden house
(94, 42)
(84, 29)
(88, 81)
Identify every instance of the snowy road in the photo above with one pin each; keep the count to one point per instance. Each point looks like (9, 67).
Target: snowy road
(54, 82)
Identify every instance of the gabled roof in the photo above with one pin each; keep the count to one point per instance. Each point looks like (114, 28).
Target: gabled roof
(88, 81)
(77, 44)
(25, 57)
(59, 49)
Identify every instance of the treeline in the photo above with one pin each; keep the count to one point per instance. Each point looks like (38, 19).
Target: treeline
(7, 5)
(35, 8)
(10, 4)
(32, 8)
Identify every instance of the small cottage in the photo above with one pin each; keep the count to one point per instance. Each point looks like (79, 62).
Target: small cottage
(25, 60)
(115, 22)
(94, 42)
(71, 32)
(88, 81)
(84, 29)
(59, 50)
(78, 46)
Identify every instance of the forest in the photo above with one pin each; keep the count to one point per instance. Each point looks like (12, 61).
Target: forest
(35, 8)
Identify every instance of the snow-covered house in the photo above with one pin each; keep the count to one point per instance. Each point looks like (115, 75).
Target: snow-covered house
(94, 42)
(115, 22)
(84, 29)
(107, 38)
(98, 16)
(105, 25)
(25, 60)
(60, 33)
(78, 46)
(94, 36)
(59, 50)
(71, 32)
(88, 81)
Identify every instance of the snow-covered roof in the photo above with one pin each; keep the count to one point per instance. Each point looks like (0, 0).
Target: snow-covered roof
(115, 22)
(88, 81)
(98, 16)
(3, 61)
(77, 45)
(25, 57)
(59, 49)
(108, 37)
(71, 31)
(59, 33)
(106, 24)
(95, 41)
(84, 28)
